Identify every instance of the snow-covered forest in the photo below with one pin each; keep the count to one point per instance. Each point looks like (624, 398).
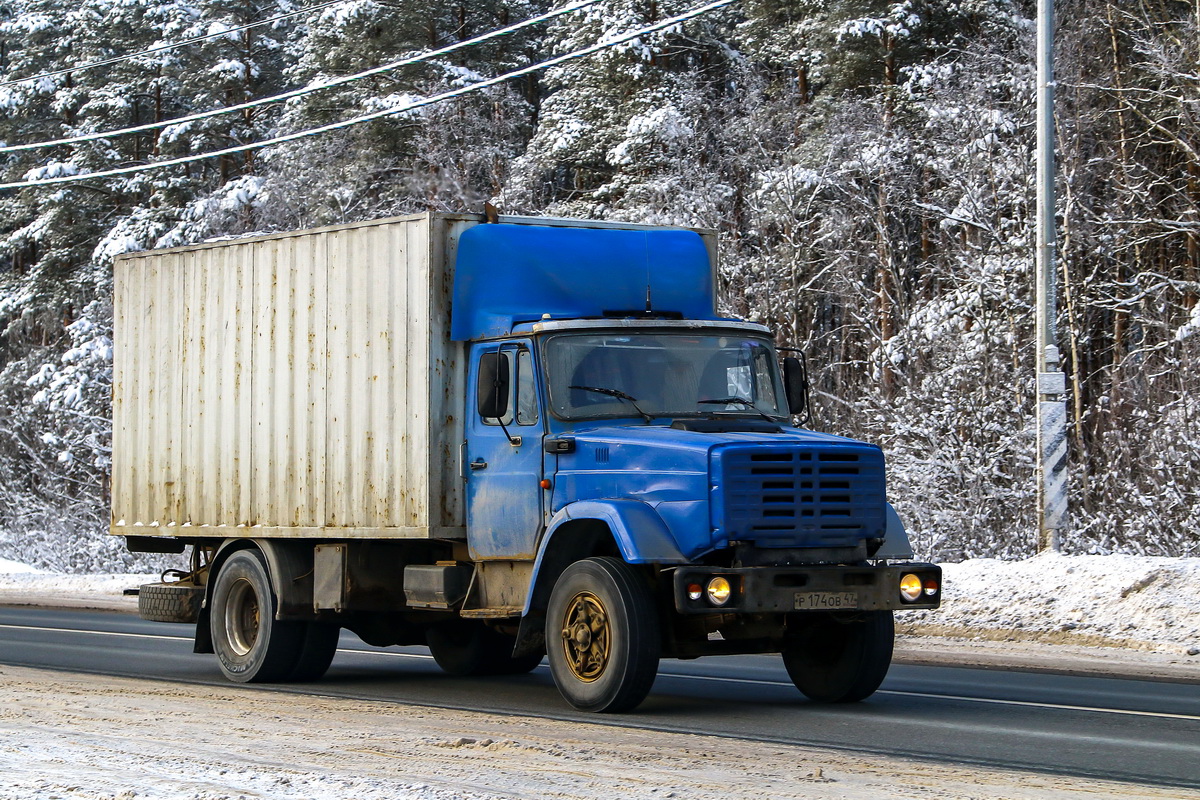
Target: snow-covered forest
(868, 165)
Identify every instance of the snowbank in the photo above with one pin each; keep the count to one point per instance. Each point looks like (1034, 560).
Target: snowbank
(23, 585)
(51, 583)
(13, 567)
(1125, 601)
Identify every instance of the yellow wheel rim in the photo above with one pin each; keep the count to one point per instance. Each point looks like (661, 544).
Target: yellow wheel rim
(586, 636)
(242, 619)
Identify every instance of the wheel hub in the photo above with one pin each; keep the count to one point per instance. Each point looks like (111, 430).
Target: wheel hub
(586, 636)
(242, 617)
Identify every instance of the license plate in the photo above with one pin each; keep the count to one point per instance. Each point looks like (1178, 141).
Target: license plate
(825, 601)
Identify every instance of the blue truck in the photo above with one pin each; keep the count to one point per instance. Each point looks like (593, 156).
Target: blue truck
(508, 439)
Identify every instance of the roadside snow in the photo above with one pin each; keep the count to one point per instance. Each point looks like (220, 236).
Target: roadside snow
(1139, 602)
(24, 585)
(52, 583)
(13, 567)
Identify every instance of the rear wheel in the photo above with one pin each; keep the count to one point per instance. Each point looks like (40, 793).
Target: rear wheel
(602, 636)
(467, 647)
(835, 660)
(316, 652)
(251, 645)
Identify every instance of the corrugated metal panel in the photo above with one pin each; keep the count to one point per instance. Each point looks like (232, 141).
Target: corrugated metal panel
(292, 385)
(378, 415)
(217, 299)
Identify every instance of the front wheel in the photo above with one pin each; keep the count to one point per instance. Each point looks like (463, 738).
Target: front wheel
(251, 645)
(838, 660)
(602, 636)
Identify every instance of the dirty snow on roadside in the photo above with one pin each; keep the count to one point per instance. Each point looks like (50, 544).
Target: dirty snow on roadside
(15, 568)
(1139, 602)
(21, 584)
(88, 736)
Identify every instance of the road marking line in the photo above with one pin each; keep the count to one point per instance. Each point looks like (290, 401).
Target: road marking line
(188, 639)
(421, 656)
(1056, 707)
(100, 633)
(748, 681)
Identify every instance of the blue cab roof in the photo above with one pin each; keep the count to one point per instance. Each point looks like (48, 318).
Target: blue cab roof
(508, 274)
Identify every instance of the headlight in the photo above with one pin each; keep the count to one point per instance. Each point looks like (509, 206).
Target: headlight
(911, 588)
(719, 591)
(694, 591)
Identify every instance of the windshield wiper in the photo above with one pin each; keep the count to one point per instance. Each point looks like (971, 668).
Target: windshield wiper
(725, 401)
(614, 393)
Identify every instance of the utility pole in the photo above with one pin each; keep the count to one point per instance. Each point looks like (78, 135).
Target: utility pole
(1051, 382)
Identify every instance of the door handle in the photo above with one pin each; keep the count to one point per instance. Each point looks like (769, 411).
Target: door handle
(478, 463)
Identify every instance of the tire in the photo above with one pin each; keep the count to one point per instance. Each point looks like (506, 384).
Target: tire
(602, 636)
(465, 647)
(833, 660)
(316, 652)
(169, 602)
(251, 645)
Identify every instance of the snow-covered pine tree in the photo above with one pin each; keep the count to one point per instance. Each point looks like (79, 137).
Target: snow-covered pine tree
(450, 156)
(1131, 272)
(884, 232)
(58, 241)
(623, 133)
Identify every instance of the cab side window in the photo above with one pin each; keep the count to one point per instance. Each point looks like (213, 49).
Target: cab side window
(507, 388)
(764, 381)
(526, 400)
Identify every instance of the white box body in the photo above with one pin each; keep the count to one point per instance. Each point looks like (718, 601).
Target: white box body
(297, 385)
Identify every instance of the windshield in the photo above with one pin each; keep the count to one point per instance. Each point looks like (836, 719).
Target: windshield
(662, 374)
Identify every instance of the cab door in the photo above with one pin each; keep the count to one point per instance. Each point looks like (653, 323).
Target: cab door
(504, 453)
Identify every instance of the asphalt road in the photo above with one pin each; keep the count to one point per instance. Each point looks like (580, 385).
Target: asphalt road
(1141, 732)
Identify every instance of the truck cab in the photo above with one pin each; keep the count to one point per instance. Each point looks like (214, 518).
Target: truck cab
(636, 472)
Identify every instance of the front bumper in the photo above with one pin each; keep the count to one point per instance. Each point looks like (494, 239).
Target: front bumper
(777, 590)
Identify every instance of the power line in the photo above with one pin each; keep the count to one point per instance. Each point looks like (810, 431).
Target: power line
(568, 9)
(587, 51)
(165, 48)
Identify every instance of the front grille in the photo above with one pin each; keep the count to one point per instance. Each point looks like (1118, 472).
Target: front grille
(797, 496)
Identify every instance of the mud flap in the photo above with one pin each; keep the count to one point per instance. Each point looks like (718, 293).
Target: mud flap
(204, 643)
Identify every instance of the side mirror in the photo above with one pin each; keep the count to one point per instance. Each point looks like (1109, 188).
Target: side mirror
(491, 393)
(795, 384)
